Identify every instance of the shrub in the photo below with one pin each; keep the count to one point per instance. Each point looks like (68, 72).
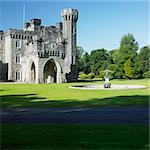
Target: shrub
(101, 74)
(90, 76)
(146, 74)
(83, 76)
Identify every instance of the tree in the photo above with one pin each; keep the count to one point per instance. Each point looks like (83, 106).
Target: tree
(114, 55)
(86, 68)
(99, 60)
(128, 69)
(80, 52)
(127, 50)
(144, 58)
(128, 47)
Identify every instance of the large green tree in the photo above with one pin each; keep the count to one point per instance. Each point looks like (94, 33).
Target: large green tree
(127, 50)
(144, 58)
(116, 64)
(86, 68)
(128, 47)
(99, 60)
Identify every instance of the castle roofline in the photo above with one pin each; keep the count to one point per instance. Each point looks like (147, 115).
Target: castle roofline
(35, 21)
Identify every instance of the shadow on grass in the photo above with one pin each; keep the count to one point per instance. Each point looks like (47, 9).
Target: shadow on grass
(1, 90)
(33, 100)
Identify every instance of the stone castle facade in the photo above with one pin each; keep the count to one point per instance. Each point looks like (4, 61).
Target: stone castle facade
(40, 54)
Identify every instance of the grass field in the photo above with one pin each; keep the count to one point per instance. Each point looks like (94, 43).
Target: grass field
(59, 95)
(68, 136)
(74, 137)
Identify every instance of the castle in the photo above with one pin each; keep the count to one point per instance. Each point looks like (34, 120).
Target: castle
(40, 54)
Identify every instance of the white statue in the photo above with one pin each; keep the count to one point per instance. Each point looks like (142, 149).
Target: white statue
(107, 80)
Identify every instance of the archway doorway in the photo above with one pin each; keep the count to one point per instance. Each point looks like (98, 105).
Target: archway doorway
(33, 73)
(50, 72)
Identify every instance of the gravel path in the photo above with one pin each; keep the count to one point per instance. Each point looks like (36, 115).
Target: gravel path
(98, 115)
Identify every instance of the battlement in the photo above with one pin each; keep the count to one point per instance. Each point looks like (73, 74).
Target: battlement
(67, 12)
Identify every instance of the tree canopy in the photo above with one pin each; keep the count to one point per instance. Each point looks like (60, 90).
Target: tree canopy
(124, 62)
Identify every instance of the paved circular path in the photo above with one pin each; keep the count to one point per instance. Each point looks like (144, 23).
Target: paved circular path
(98, 115)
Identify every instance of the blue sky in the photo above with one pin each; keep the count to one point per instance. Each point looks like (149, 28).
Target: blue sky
(101, 24)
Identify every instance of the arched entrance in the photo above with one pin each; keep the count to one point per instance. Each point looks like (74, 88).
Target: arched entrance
(33, 73)
(50, 72)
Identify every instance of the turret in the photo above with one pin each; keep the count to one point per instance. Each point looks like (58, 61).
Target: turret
(69, 19)
(33, 25)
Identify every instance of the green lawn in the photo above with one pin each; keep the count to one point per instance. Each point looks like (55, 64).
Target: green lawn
(74, 137)
(59, 95)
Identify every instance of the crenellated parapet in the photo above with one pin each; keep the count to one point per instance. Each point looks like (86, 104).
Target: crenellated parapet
(69, 14)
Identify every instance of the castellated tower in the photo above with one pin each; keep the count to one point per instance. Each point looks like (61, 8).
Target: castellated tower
(69, 19)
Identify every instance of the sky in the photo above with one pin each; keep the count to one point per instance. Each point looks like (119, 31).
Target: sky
(101, 24)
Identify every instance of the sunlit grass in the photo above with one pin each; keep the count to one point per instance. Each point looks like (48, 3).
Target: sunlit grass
(59, 95)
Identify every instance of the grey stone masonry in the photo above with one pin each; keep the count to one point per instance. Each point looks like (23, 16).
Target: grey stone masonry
(41, 54)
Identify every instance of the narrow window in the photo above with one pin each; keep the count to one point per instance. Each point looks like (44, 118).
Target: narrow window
(18, 59)
(18, 44)
(18, 75)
